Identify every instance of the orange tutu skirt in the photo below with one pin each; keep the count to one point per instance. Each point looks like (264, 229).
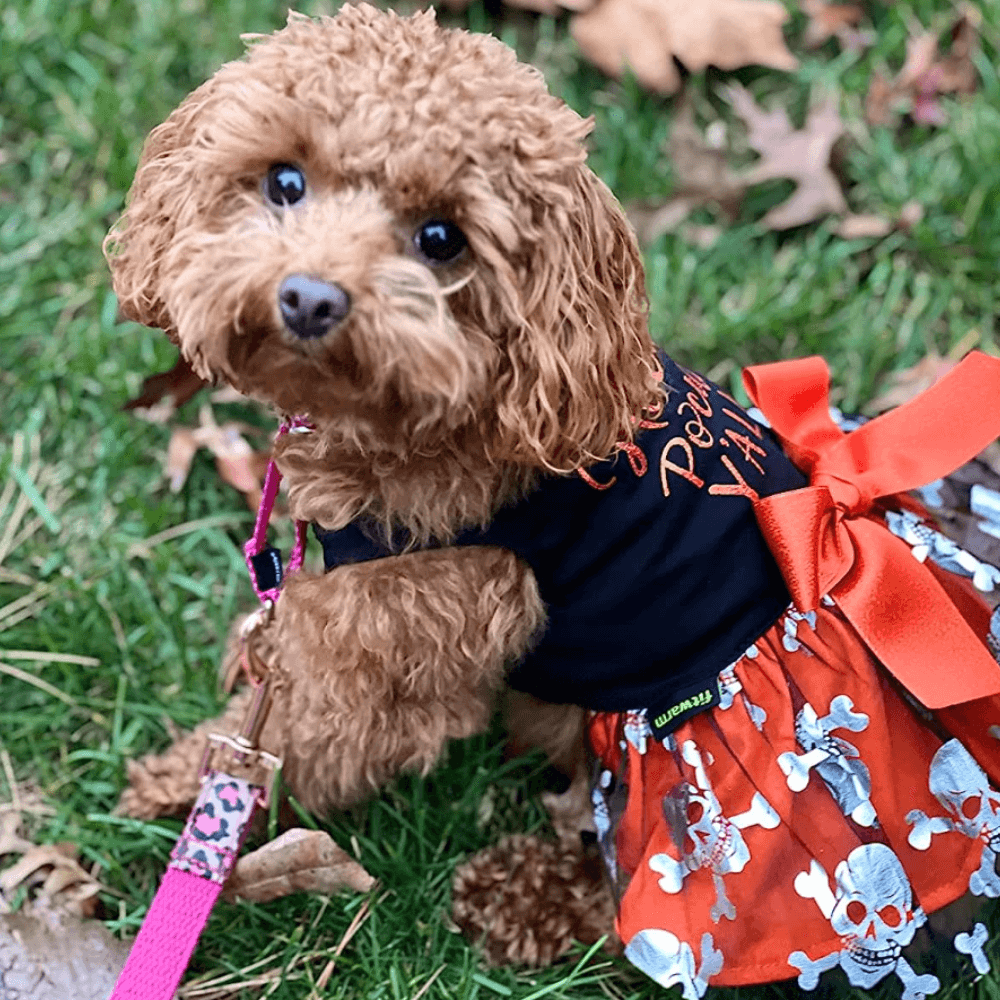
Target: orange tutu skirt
(810, 820)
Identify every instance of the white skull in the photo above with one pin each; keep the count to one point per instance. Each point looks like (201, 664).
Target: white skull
(961, 786)
(710, 835)
(664, 958)
(873, 914)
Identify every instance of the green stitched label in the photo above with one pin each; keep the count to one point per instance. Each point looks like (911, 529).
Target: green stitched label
(664, 719)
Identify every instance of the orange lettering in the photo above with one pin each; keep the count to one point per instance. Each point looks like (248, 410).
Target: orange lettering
(704, 409)
(752, 427)
(747, 446)
(667, 466)
(737, 489)
(697, 383)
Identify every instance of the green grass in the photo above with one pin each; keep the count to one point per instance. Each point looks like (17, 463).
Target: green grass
(81, 84)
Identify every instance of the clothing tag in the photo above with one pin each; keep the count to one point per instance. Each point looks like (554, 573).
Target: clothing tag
(665, 717)
(267, 568)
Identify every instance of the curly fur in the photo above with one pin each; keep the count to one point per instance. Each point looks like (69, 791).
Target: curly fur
(442, 395)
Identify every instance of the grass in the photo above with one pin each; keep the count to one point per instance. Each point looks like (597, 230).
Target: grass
(82, 82)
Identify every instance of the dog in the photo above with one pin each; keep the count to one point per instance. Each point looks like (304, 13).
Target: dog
(389, 230)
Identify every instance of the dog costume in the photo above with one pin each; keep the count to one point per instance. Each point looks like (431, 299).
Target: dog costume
(389, 229)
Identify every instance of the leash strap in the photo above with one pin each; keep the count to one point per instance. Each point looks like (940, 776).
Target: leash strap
(205, 854)
(199, 865)
(264, 561)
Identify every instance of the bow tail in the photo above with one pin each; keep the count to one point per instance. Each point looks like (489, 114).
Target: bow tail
(909, 622)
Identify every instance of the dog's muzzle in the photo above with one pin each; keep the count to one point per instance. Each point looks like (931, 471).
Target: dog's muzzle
(310, 307)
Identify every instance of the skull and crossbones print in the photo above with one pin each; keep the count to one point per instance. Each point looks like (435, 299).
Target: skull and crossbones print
(871, 910)
(670, 961)
(962, 788)
(711, 840)
(836, 761)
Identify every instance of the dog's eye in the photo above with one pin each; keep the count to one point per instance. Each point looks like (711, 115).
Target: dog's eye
(440, 240)
(284, 184)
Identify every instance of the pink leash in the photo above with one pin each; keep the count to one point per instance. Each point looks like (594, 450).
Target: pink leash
(206, 852)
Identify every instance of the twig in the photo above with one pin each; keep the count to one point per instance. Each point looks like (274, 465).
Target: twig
(44, 657)
(143, 549)
(24, 604)
(22, 675)
(423, 989)
(8, 771)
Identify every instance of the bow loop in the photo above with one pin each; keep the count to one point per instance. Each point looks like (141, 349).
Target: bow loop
(826, 541)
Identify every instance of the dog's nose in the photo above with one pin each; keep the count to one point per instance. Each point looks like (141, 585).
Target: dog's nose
(310, 307)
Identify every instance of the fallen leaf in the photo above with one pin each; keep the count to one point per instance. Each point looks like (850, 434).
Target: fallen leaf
(238, 463)
(704, 177)
(58, 876)
(827, 20)
(702, 236)
(571, 812)
(646, 36)
(162, 394)
(910, 215)
(297, 861)
(47, 954)
(926, 74)
(910, 382)
(800, 155)
(181, 450)
(855, 227)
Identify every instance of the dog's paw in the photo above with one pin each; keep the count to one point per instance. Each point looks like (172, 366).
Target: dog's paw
(525, 900)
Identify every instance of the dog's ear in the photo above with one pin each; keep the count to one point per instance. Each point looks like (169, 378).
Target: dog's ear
(581, 368)
(164, 199)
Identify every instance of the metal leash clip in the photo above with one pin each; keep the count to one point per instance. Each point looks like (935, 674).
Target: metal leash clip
(242, 748)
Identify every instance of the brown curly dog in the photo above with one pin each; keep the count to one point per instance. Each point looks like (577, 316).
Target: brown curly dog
(389, 229)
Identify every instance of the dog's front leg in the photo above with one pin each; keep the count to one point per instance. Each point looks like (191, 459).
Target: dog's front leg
(376, 665)
(380, 663)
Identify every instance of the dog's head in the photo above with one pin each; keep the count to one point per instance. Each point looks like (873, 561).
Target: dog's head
(373, 221)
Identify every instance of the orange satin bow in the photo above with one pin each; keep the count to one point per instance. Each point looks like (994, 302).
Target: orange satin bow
(825, 542)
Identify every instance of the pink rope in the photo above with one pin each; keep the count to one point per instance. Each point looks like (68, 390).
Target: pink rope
(258, 540)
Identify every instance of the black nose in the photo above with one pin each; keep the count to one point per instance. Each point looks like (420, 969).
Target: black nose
(310, 307)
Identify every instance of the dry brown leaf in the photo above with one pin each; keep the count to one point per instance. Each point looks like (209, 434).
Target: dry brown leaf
(910, 382)
(238, 463)
(800, 155)
(572, 811)
(827, 20)
(856, 227)
(990, 457)
(297, 861)
(181, 450)
(926, 74)
(703, 177)
(163, 393)
(553, 8)
(46, 954)
(646, 35)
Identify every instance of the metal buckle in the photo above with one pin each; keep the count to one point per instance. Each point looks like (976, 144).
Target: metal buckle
(242, 748)
(242, 753)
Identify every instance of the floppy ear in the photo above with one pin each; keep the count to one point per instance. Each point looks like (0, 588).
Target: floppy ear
(164, 199)
(581, 368)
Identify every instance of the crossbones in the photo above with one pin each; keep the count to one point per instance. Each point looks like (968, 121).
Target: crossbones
(716, 841)
(669, 961)
(972, 945)
(872, 911)
(836, 761)
(730, 686)
(790, 639)
(961, 786)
